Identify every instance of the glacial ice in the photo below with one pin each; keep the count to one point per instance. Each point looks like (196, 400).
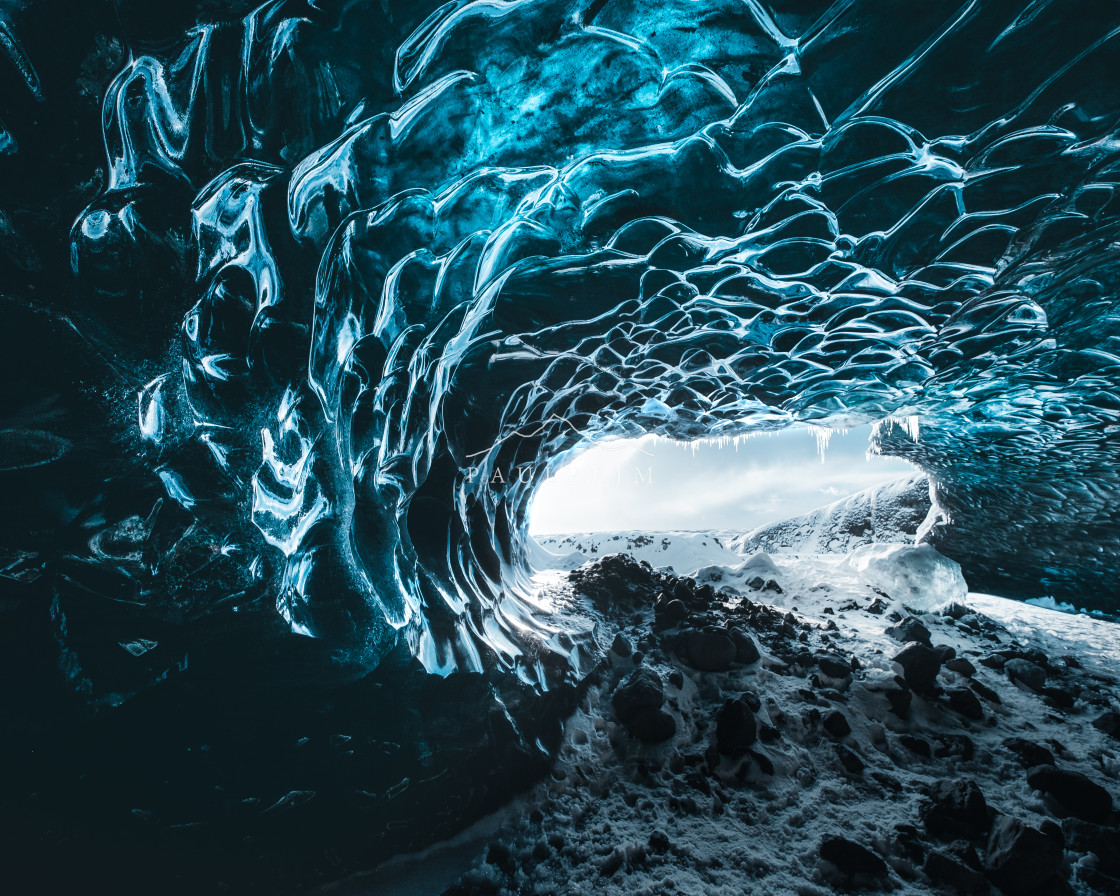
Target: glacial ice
(437, 249)
(917, 575)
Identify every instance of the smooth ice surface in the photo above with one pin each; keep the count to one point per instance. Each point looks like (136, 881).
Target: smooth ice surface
(416, 255)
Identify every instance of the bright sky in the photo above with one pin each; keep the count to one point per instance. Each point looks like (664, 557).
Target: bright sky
(655, 484)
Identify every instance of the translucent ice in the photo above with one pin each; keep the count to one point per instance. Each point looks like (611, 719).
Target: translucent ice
(436, 249)
(917, 575)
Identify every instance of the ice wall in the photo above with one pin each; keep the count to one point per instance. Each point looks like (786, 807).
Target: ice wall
(429, 256)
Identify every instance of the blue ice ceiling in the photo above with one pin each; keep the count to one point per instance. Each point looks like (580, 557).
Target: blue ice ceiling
(406, 247)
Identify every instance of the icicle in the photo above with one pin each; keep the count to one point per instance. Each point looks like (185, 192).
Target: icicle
(823, 435)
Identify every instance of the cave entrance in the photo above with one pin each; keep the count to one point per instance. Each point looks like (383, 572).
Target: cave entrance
(638, 488)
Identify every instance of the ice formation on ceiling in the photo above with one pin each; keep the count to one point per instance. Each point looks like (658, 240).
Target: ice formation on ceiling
(434, 255)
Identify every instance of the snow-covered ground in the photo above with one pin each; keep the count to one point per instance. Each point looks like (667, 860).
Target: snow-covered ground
(851, 775)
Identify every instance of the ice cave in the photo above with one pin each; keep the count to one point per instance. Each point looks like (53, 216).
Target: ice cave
(308, 304)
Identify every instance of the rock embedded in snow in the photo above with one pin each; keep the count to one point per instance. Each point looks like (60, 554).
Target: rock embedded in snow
(963, 701)
(1025, 672)
(910, 629)
(736, 728)
(956, 809)
(958, 868)
(746, 651)
(1109, 723)
(1028, 752)
(853, 862)
(920, 665)
(637, 703)
(835, 723)
(708, 650)
(1021, 860)
(961, 666)
(917, 575)
(1074, 792)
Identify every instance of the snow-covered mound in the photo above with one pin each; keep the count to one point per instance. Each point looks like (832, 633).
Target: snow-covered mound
(887, 513)
(810, 737)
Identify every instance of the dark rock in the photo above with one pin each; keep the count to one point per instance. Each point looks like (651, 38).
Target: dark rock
(946, 652)
(1020, 859)
(1109, 723)
(852, 860)
(1103, 841)
(752, 700)
(920, 665)
(957, 809)
(961, 666)
(993, 661)
(954, 745)
(915, 745)
(746, 651)
(659, 842)
(617, 580)
(834, 666)
(768, 734)
(910, 629)
(835, 724)
(963, 701)
(668, 612)
(541, 851)
(676, 679)
(709, 650)
(641, 690)
(958, 869)
(652, 726)
(500, 857)
(1059, 698)
(1028, 752)
(621, 646)
(1025, 672)
(907, 843)
(877, 607)
(1074, 792)
(849, 759)
(900, 702)
(736, 728)
(984, 691)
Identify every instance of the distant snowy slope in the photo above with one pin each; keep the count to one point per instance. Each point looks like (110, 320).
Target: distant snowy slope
(683, 552)
(886, 513)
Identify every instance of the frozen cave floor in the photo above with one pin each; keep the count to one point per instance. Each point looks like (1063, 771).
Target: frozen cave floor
(785, 729)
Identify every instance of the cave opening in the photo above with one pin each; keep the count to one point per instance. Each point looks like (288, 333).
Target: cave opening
(730, 485)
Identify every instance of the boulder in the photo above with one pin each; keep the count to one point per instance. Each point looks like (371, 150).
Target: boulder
(920, 665)
(1077, 794)
(957, 809)
(852, 860)
(910, 629)
(1021, 860)
(709, 649)
(736, 728)
(1026, 673)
